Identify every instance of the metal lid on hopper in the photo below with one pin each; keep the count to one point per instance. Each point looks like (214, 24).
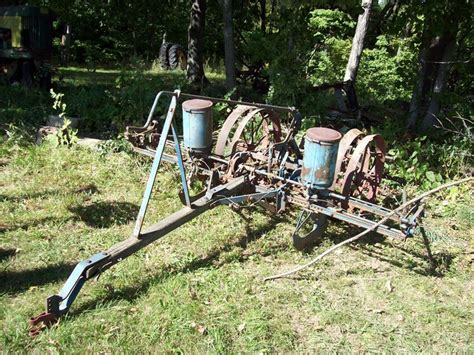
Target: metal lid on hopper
(322, 134)
(196, 104)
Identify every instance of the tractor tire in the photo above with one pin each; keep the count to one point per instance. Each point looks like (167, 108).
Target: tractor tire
(163, 57)
(177, 56)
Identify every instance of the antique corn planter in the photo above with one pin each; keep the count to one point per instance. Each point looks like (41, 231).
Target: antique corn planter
(254, 157)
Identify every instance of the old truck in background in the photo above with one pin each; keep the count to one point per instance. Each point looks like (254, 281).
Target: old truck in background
(25, 45)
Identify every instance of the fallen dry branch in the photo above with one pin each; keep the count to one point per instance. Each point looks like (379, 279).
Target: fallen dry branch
(360, 235)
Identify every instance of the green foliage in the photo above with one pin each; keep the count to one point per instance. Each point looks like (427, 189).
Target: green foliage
(303, 44)
(59, 206)
(221, 109)
(65, 135)
(386, 76)
(133, 95)
(328, 65)
(299, 44)
(107, 101)
(427, 163)
(93, 104)
(326, 23)
(113, 31)
(17, 135)
(22, 105)
(259, 47)
(59, 105)
(114, 146)
(320, 56)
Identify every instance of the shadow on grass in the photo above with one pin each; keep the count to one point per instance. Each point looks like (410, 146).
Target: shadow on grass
(75, 77)
(97, 215)
(376, 245)
(12, 282)
(105, 214)
(89, 76)
(34, 223)
(366, 245)
(409, 259)
(132, 292)
(89, 189)
(6, 253)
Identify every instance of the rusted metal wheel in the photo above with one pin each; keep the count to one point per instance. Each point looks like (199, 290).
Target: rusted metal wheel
(248, 128)
(346, 146)
(364, 171)
(360, 165)
(225, 132)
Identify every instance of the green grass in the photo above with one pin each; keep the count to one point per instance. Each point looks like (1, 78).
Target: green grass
(200, 289)
(105, 100)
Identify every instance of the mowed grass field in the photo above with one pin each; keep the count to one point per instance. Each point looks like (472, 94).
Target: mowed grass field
(200, 289)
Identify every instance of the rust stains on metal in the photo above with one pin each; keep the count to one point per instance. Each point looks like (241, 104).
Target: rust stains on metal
(305, 171)
(322, 174)
(42, 321)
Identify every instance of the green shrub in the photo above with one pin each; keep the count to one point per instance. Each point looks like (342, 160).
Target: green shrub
(332, 32)
(429, 162)
(22, 105)
(384, 75)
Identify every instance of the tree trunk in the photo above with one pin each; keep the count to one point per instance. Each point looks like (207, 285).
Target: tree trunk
(417, 94)
(430, 118)
(263, 15)
(272, 12)
(228, 45)
(358, 42)
(406, 34)
(439, 43)
(65, 47)
(431, 80)
(195, 68)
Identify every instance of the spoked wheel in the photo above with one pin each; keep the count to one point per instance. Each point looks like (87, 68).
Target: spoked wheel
(248, 128)
(345, 150)
(310, 227)
(364, 169)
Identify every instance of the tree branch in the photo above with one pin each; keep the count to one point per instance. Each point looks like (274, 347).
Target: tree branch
(447, 62)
